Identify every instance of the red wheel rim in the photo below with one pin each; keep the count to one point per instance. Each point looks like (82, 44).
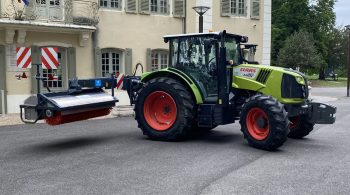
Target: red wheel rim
(258, 124)
(160, 110)
(294, 122)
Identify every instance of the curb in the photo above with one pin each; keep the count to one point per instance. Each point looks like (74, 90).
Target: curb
(122, 111)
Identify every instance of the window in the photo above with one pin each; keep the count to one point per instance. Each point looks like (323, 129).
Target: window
(48, 9)
(232, 50)
(159, 60)
(111, 62)
(54, 2)
(160, 6)
(53, 77)
(112, 4)
(234, 7)
(238, 7)
(191, 56)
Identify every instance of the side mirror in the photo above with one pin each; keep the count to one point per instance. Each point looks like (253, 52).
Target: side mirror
(244, 39)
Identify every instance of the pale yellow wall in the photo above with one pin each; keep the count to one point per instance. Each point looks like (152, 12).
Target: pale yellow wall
(17, 87)
(2, 37)
(85, 61)
(191, 17)
(136, 31)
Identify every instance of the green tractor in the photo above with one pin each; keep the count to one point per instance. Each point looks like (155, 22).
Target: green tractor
(209, 83)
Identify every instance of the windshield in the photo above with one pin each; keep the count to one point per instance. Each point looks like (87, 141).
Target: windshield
(233, 50)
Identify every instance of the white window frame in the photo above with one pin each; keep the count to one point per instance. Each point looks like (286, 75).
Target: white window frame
(109, 2)
(44, 10)
(162, 57)
(160, 9)
(110, 52)
(235, 8)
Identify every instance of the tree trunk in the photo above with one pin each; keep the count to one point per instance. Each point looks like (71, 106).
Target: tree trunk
(321, 74)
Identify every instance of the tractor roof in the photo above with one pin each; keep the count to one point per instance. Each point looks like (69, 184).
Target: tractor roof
(214, 34)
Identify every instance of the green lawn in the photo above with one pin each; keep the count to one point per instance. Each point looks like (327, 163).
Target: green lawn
(341, 82)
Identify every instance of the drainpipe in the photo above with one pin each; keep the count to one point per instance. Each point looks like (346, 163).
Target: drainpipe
(94, 46)
(184, 20)
(2, 103)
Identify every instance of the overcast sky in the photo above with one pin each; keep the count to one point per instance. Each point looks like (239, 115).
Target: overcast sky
(342, 10)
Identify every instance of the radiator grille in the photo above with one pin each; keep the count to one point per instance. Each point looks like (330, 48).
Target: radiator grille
(263, 75)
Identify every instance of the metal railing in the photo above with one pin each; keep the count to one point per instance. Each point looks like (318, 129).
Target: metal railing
(82, 12)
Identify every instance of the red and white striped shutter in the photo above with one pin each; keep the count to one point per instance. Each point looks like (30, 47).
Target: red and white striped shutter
(49, 57)
(120, 80)
(24, 57)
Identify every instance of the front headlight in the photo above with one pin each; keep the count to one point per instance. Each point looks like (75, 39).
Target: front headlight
(300, 80)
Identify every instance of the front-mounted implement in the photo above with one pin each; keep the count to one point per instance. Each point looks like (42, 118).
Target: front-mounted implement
(83, 100)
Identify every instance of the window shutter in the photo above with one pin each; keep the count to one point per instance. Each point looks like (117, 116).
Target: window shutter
(131, 6)
(255, 9)
(144, 7)
(128, 61)
(179, 8)
(98, 59)
(225, 8)
(36, 59)
(72, 63)
(149, 59)
(2, 76)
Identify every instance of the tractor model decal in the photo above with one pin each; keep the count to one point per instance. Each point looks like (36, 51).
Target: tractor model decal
(245, 72)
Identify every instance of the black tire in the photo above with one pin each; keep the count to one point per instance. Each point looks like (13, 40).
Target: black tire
(300, 127)
(275, 122)
(184, 104)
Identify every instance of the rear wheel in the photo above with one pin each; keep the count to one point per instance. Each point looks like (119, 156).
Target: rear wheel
(264, 122)
(164, 109)
(299, 127)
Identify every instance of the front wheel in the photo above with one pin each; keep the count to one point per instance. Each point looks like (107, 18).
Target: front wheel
(264, 122)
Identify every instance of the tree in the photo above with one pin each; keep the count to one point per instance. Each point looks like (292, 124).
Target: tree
(299, 51)
(288, 16)
(314, 16)
(338, 51)
(321, 24)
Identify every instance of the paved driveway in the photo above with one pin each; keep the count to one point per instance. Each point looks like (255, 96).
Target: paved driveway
(111, 156)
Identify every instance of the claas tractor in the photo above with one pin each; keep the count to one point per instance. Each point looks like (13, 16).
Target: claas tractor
(208, 83)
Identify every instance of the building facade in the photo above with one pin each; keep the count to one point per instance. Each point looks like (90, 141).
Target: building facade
(99, 37)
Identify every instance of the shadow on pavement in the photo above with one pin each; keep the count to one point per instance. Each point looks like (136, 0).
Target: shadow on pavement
(216, 137)
(65, 145)
(71, 144)
(213, 136)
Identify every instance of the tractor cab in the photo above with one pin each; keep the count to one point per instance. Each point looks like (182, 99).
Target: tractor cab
(201, 57)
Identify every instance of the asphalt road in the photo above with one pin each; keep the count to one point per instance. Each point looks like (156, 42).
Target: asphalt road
(111, 156)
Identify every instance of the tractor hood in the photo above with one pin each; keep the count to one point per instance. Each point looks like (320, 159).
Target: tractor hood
(288, 86)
